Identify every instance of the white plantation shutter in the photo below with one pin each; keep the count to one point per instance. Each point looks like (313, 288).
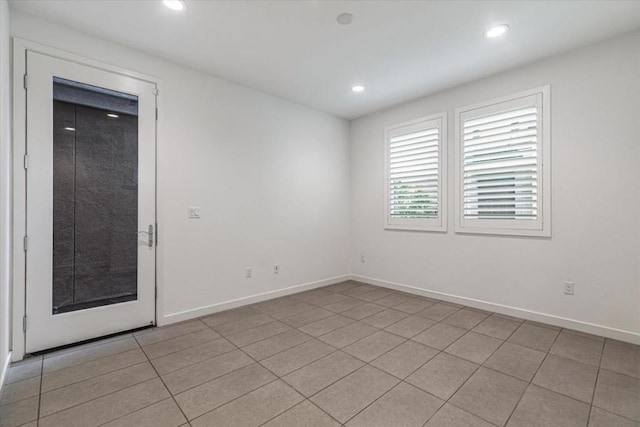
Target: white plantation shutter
(413, 174)
(500, 166)
(413, 187)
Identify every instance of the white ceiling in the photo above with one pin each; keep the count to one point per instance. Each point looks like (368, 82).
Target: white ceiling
(400, 50)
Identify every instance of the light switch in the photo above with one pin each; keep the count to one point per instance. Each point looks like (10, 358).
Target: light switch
(194, 212)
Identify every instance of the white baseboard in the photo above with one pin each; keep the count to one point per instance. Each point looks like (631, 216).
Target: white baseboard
(3, 372)
(550, 319)
(252, 299)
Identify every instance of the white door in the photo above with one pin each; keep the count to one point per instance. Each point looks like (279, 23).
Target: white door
(90, 245)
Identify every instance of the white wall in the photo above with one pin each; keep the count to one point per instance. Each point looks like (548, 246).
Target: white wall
(5, 189)
(257, 166)
(269, 176)
(595, 145)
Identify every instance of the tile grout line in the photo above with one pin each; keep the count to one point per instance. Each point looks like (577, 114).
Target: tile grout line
(97, 398)
(390, 324)
(40, 392)
(86, 361)
(351, 321)
(162, 381)
(277, 378)
(347, 296)
(340, 293)
(480, 365)
(16, 365)
(305, 399)
(324, 412)
(405, 340)
(163, 355)
(274, 336)
(319, 336)
(180, 336)
(265, 338)
(199, 361)
(367, 363)
(336, 349)
(183, 349)
(347, 345)
(96, 376)
(213, 379)
(91, 377)
(35, 394)
(48, 355)
(533, 377)
(400, 380)
(418, 368)
(625, 417)
(375, 400)
(238, 397)
(385, 328)
(156, 329)
(329, 385)
(381, 354)
(595, 385)
(137, 410)
(81, 363)
(220, 354)
(331, 314)
(258, 313)
(237, 348)
(99, 375)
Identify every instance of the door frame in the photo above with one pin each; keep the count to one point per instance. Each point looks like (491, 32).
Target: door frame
(19, 140)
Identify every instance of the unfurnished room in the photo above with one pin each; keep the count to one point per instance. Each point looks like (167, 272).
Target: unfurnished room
(319, 213)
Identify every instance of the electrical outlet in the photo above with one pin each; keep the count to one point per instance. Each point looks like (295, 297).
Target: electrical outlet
(276, 269)
(249, 273)
(362, 258)
(568, 288)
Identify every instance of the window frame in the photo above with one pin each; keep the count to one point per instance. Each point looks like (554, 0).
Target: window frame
(438, 224)
(510, 227)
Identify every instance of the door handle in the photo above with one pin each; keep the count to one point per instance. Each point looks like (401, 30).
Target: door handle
(149, 235)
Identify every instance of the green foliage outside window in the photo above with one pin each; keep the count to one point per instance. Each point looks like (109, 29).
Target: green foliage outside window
(408, 201)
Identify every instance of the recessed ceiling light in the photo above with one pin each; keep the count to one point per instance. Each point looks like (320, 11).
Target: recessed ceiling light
(358, 88)
(71, 129)
(113, 116)
(496, 31)
(345, 18)
(174, 4)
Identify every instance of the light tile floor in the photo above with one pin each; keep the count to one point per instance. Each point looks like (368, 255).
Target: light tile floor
(347, 354)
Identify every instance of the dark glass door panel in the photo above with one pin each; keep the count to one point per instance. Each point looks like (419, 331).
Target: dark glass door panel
(95, 197)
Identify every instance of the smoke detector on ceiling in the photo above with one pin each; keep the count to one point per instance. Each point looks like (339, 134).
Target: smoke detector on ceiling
(345, 18)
